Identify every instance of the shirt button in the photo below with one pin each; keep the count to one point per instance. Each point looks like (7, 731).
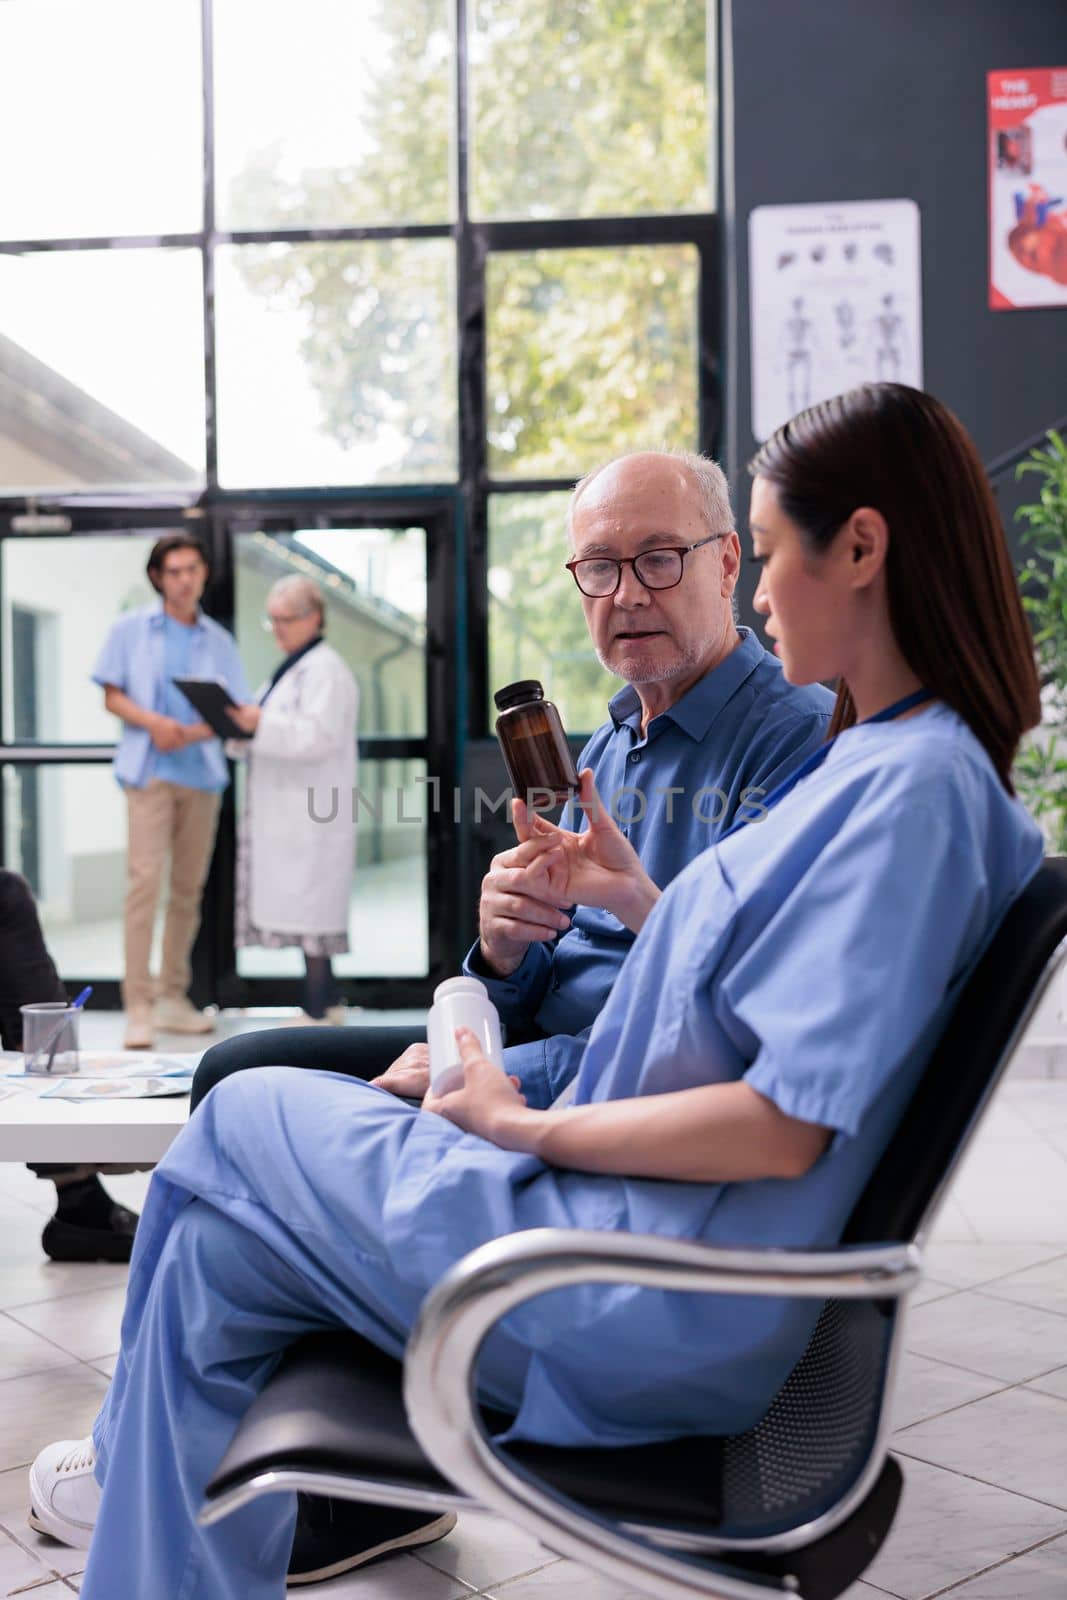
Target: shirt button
(636, 756)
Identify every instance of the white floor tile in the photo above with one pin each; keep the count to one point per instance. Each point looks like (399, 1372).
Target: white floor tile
(1015, 1190)
(1039, 1575)
(85, 1325)
(1016, 1439)
(27, 1276)
(564, 1580)
(968, 1265)
(949, 1527)
(14, 1503)
(927, 1388)
(1051, 1383)
(483, 1550)
(60, 1404)
(1042, 1103)
(399, 1577)
(1044, 1286)
(995, 1338)
(19, 1569)
(951, 1224)
(23, 1351)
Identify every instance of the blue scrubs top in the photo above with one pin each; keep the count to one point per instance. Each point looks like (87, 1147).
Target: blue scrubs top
(189, 766)
(815, 957)
(134, 658)
(707, 762)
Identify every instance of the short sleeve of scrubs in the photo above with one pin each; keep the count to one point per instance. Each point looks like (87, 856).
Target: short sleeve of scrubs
(825, 999)
(112, 664)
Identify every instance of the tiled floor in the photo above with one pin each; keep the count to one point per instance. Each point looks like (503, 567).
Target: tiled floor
(981, 1414)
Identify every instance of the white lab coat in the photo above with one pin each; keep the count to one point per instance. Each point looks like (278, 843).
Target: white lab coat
(302, 771)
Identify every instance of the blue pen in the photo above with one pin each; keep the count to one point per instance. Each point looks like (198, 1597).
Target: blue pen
(75, 1005)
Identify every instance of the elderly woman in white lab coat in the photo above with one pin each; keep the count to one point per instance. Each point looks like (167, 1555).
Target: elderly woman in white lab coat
(296, 844)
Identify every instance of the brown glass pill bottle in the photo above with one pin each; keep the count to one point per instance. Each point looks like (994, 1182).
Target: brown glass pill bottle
(534, 745)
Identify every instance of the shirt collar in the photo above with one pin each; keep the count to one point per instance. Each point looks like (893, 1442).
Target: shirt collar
(157, 616)
(695, 712)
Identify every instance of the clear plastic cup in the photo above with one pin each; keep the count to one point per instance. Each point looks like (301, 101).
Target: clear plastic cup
(50, 1037)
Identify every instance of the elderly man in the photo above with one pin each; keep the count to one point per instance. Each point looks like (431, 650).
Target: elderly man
(172, 769)
(705, 726)
(704, 729)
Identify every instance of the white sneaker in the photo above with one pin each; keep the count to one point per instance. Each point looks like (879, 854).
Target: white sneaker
(64, 1495)
(176, 1014)
(337, 1016)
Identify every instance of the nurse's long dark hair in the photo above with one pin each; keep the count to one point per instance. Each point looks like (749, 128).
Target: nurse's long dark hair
(953, 599)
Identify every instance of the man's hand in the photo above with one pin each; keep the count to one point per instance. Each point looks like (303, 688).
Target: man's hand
(167, 733)
(409, 1075)
(489, 1103)
(598, 867)
(515, 911)
(246, 717)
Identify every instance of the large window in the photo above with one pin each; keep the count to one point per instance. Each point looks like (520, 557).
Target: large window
(257, 273)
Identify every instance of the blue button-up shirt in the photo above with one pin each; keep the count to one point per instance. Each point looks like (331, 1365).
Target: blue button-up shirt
(134, 659)
(706, 762)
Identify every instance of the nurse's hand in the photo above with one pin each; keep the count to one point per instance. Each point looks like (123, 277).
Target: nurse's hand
(246, 717)
(409, 1074)
(598, 867)
(489, 1102)
(166, 733)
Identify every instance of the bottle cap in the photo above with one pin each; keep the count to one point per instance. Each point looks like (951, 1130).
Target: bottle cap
(513, 694)
(460, 985)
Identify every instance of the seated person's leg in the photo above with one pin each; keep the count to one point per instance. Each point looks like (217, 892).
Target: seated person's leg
(218, 1289)
(357, 1052)
(88, 1225)
(318, 986)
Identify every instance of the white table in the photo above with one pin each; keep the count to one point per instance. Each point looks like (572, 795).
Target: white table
(32, 1129)
(77, 1131)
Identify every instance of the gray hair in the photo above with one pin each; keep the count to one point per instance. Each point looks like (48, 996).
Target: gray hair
(707, 478)
(303, 595)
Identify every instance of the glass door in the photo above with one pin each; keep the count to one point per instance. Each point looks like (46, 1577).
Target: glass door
(382, 568)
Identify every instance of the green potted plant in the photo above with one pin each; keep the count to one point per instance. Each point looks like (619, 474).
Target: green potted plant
(1041, 770)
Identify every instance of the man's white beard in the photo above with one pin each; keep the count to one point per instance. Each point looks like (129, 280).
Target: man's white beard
(664, 673)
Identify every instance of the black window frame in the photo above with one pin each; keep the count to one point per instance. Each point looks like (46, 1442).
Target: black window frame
(457, 549)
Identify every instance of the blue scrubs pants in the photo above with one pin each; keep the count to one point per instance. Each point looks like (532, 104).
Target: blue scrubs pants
(263, 1222)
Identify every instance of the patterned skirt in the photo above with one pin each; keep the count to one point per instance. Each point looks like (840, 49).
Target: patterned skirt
(246, 932)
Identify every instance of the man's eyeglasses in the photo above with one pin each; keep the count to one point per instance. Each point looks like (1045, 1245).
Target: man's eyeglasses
(661, 568)
(268, 623)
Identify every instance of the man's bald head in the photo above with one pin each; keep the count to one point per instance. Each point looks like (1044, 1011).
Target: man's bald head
(696, 475)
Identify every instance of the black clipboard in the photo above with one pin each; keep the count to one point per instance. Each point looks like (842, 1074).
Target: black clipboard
(211, 698)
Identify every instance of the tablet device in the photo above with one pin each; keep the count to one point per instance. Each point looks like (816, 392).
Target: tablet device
(211, 699)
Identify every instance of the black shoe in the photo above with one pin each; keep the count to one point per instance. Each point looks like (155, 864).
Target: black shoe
(64, 1240)
(333, 1536)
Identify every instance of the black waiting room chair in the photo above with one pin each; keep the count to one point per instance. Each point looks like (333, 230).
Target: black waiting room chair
(799, 1504)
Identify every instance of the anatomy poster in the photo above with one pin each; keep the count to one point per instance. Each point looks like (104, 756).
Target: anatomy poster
(836, 300)
(1027, 188)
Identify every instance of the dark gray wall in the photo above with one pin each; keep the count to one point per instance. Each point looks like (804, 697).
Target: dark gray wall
(862, 100)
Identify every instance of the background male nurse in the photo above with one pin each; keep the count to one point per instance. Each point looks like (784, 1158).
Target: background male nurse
(173, 771)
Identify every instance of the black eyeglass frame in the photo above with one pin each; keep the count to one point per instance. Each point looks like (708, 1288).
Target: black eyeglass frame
(680, 550)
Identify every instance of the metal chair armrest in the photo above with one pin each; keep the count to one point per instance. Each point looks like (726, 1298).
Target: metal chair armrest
(460, 1311)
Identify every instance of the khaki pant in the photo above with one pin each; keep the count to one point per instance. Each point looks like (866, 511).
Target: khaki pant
(165, 820)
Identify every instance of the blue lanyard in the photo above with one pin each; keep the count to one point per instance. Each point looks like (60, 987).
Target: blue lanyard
(817, 757)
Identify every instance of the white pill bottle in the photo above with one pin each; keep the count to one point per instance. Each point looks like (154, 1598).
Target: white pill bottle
(460, 1003)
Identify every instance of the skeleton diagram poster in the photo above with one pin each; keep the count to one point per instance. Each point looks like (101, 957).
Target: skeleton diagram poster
(836, 300)
(1027, 188)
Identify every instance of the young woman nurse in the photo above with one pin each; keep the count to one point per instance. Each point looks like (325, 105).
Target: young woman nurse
(775, 1014)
